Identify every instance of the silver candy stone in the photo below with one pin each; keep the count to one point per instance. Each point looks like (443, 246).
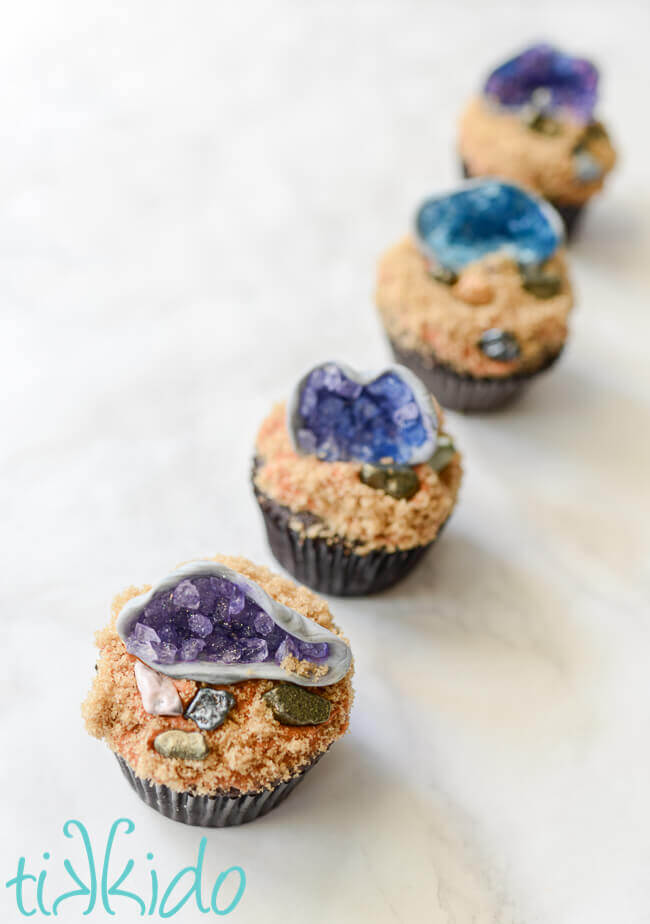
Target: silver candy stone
(210, 708)
(587, 168)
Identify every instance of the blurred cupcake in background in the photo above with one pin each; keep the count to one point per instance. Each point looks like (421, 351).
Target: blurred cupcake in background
(355, 478)
(475, 302)
(534, 124)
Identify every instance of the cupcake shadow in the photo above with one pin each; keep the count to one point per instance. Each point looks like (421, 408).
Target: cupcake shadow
(401, 819)
(614, 237)
(576, 414)
(470, 591)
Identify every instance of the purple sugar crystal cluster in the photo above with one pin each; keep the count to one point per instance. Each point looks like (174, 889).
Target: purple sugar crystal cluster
(339, 418)
(565, 82)
(212, 619)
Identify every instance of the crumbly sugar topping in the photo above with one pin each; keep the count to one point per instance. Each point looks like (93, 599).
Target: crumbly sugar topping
(346, 508)
(251, 751)
(424, 315)
(303, 668)
(494, 142)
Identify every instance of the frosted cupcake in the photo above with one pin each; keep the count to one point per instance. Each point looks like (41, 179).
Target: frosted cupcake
(476, 301)
(355, 478)
(218, 688)
(534, 124)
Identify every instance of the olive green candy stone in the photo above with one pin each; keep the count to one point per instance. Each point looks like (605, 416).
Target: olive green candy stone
(373, 476)
(539, 283)
(181, 744)
(445, 452)
(545, 125)
(293, 705)
(593, 132)
(400, 483)
(441, 274)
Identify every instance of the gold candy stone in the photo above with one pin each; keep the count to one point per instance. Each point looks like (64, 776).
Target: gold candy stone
(441, 274)
(539, 283)
(292, 705)
(474, 288)
(543, 124)
(181, 744)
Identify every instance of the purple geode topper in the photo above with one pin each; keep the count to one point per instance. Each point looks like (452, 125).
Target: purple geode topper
(545, 76)
(341, 415)
(206, 622)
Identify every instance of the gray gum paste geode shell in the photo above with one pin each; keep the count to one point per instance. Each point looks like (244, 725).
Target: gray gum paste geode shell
(338, 660)
(420, 392)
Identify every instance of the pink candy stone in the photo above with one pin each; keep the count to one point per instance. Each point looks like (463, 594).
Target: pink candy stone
(159, 695)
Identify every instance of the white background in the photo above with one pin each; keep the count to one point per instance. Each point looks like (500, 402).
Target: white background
(193, 198)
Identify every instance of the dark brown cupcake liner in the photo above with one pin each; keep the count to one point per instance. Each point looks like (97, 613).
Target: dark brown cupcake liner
(569, 212)
(459, 392)
(332, 567)
(218, 811)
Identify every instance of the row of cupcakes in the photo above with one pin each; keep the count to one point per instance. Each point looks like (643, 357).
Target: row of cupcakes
(476, 299)
(221, 685)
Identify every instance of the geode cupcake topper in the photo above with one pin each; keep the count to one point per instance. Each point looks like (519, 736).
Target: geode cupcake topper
(208, 623)
(341, 415)
(484, 216)
(549, 80)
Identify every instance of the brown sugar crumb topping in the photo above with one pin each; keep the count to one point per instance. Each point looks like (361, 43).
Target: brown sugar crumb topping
(303, 668)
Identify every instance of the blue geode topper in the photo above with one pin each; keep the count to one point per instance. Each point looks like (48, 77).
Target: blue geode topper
(342, 415)
(485, 216)
(547, 78)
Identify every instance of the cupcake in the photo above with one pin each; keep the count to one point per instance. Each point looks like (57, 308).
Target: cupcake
(476, 301)
(355, 478)
(218, 688)
(534, 124)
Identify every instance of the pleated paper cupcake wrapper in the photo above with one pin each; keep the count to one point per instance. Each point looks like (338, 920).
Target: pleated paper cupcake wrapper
(219, 811)
(459, 392)
(569, 212)
(331, 567)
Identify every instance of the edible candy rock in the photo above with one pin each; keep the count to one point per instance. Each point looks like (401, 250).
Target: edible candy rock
(210, 708)
(499, 345)
(292, 705)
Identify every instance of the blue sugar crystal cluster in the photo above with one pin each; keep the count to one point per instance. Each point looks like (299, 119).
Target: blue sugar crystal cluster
(341, 419)
(482, 218)
(212, 619)
(544, 77)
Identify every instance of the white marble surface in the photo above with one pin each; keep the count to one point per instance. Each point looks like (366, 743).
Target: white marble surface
(193, 199)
